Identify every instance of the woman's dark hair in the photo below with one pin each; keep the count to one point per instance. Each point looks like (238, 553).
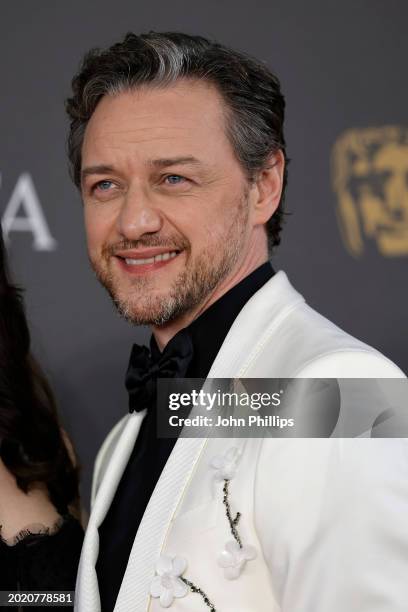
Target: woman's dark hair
(32, 445)
(255, 106)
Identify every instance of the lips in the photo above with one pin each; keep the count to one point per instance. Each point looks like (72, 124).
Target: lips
(148, 260)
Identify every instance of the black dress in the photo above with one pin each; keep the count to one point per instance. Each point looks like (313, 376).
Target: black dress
(42, 560)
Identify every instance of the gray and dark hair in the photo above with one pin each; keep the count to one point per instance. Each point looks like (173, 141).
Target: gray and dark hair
(254, 103)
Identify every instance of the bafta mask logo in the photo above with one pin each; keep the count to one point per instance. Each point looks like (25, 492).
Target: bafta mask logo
(370, 178)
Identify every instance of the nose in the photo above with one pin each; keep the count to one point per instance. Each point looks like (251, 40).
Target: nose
(138, 215)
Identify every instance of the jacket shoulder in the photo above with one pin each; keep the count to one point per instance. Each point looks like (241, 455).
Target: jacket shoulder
(302, 342)
(329, 351)
(277, 334)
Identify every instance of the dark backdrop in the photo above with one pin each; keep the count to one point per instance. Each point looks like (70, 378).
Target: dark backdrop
(345, 247)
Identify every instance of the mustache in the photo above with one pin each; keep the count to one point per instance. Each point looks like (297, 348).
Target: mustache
(171, 243)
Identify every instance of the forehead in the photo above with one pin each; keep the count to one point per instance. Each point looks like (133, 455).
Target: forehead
(186, 118)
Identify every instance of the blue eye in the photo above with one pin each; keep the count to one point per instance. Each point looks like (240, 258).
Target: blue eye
(175, 179)
(104, 185)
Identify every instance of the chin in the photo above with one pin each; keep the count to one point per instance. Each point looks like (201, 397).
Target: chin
(155, 311)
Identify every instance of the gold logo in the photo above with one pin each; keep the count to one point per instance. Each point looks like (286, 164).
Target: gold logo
(370, 178)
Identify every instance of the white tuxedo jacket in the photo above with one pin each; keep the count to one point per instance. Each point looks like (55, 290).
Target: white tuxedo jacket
(328, 518)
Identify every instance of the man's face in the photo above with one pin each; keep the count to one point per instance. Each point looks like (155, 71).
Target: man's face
(165, 200)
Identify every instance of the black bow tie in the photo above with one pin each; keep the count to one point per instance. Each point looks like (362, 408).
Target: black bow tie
(144, 368)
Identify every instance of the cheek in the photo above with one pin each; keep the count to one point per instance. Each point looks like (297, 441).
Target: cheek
(205, 220)
(199, 232)
(98, 226)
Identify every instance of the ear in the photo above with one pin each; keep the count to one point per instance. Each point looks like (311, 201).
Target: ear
(267, 189)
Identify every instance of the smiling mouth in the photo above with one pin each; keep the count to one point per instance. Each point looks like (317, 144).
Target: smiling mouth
(142, 265)
(150, 260)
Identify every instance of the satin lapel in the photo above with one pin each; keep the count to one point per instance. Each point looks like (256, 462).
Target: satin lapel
(151, 535)
(87, 593)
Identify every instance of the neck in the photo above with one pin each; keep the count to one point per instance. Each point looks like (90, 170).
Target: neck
(165, 333)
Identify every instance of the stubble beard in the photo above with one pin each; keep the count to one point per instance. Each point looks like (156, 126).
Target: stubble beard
(192, 286)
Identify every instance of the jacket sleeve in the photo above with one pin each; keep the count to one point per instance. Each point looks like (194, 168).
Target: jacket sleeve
(331, 514)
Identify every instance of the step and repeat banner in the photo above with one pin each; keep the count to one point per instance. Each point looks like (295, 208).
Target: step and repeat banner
(345, 242)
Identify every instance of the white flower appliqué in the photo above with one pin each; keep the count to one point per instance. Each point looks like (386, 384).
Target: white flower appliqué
(233, 559)
(167, 583)
(225, 466)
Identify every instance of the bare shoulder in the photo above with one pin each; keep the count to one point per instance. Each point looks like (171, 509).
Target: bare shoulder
(19, 510)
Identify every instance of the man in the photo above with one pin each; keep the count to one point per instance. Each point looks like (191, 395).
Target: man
(177, 146)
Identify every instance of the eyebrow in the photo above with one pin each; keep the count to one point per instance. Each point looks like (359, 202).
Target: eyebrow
(172, 161)
(101, 169)
(163, 162)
